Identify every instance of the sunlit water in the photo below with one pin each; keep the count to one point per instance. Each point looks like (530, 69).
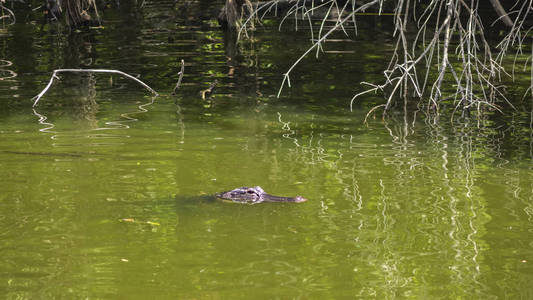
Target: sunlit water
(107, 192)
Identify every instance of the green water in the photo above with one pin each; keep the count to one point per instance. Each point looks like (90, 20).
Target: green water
(105, 191)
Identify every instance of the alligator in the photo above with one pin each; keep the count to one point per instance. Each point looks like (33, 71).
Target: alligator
(254, 195)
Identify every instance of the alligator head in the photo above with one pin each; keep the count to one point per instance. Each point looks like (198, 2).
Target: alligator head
(253, 195)
(243, 194)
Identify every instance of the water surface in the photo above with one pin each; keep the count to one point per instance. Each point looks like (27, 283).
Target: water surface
(106, 191)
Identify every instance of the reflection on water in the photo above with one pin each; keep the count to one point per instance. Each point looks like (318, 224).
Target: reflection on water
(5, 72)
(95, 131)
(105, 192)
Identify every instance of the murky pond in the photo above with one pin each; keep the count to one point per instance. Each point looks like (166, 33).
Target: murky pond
(106, 192)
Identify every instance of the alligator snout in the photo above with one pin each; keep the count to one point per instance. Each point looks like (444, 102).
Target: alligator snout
(299, 199)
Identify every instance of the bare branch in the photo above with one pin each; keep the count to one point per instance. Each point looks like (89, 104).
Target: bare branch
(54, 75)
(468, 70)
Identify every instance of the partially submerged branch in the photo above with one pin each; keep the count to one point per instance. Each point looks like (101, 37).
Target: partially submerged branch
(54, 75)
(181, 72)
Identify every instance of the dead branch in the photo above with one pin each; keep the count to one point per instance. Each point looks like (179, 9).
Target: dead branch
(54, 75)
